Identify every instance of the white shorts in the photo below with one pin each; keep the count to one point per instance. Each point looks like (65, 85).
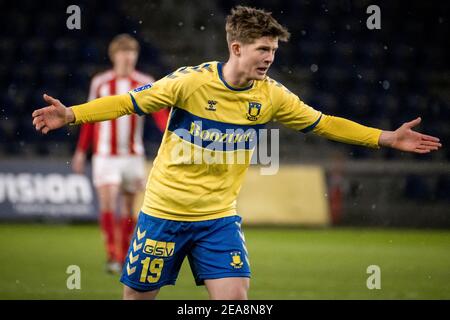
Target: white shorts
(126, 171)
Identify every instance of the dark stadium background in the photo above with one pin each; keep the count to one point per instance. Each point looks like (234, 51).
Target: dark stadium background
(380, 78)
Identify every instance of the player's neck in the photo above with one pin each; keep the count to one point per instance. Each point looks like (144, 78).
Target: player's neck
(123, 72)
(233, 77)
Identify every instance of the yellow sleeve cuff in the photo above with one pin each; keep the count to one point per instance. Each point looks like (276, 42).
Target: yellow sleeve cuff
(347, 131)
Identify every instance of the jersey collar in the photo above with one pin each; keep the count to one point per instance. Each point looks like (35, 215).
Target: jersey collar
(219, 71)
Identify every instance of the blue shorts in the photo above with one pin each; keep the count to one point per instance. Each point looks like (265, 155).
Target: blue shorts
(215, 249)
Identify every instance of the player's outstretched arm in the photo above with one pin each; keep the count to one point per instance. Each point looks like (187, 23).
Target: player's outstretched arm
(405, 139)
(54, 116)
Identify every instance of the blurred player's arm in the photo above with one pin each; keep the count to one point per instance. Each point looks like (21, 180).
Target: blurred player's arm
(84, 143)
(160, 118)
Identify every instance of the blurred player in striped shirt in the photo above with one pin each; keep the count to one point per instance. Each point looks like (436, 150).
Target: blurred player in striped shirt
(118, 161)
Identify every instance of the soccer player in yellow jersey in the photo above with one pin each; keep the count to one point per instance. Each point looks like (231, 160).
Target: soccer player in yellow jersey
(217, 110)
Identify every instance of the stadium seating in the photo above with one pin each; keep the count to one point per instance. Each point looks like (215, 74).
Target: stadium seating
(382, 77)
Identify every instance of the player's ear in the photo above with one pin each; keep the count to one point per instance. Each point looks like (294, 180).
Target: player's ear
(236, 48)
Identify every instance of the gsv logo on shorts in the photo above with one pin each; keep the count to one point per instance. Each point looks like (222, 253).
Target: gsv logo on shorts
(159, 248)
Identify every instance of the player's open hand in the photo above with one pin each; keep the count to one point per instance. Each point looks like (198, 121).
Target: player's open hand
(51, 117)
(405, 139)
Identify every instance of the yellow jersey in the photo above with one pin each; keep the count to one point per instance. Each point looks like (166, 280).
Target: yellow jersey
(211, 134)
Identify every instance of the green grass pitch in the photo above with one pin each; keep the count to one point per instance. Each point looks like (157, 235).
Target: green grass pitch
(286, 264)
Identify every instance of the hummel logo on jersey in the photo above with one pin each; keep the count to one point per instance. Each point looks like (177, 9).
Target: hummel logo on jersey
(211, 105)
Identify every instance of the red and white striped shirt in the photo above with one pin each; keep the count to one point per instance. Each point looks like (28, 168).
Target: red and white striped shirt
(121, 136)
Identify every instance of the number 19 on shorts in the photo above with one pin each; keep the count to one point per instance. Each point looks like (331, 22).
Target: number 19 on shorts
(154, 266)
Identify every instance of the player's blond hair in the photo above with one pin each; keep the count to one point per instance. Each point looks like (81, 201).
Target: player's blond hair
(246, 24)
(122, 42)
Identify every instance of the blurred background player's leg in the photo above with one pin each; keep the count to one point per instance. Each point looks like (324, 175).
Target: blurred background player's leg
(127, 223)
(133, 175)
(107, 195)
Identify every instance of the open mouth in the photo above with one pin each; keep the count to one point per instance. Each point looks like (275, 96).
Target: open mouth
(262, 70)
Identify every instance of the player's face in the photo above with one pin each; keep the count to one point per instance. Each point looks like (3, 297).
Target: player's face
(257, 57)
(125, 59)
